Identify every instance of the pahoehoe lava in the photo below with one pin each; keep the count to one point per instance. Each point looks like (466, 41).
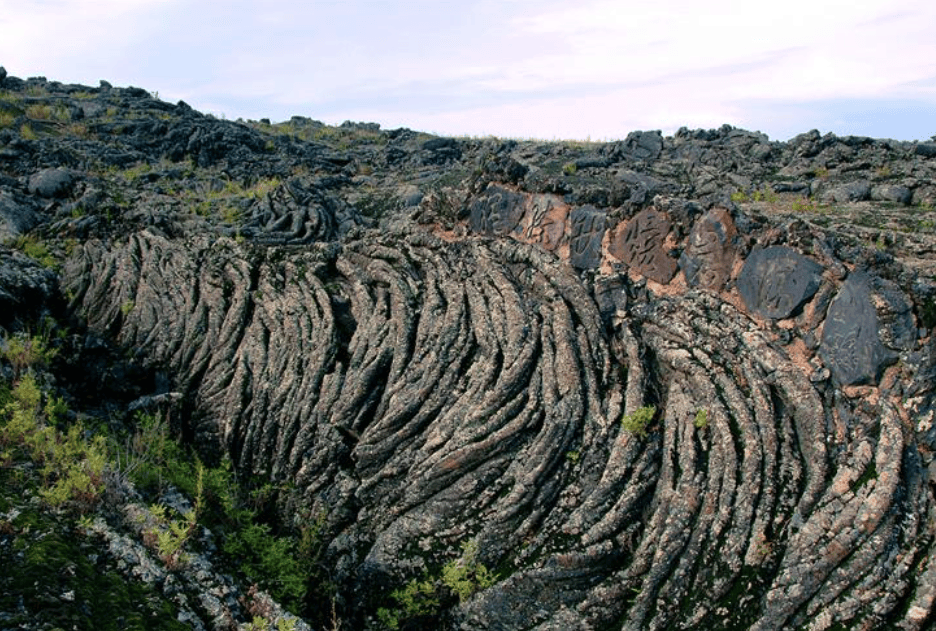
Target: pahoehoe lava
(459, 370)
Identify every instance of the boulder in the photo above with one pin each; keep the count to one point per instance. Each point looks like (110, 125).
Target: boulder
(776, 281)
(851, 345)
(640, 245)
(496, 212)
(16, 216)
(52, 183)
(843, 193)
(588, 229)
(708, 260)
(891, 193)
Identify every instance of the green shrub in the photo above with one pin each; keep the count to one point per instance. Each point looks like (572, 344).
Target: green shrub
(636, 422)
(460, 578)
(269, 560)
(701, 419)
(467, 575)
(71, 466)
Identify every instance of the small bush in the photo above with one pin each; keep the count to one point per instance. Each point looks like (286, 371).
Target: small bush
(636, 422)
(169, 536)
(423, 598)
(25, 352)
(701, 419)
(71, 466)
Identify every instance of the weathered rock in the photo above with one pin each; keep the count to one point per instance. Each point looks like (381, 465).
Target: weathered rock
(17, 216)
(27, 289)
(891, 193)
(496, 212)
(850, 344)
(419, 387)
(778, 280)
(51, 183)
(709, 259)
(850, 192)
(588, 230)
(640, 245)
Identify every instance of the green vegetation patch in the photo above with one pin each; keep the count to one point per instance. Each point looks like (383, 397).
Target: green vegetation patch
(637, 421)
(60, 583)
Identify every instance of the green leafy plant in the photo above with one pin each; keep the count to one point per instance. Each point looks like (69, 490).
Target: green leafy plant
(460, 578)
(701, 419)
(25, 352)
(169, 536)
(570, 168)
(418, 598)
(466, 575)
(637, 421)
(70, 465)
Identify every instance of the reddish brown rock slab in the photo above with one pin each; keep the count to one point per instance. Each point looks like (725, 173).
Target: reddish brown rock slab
(708, 260)
(639, 244)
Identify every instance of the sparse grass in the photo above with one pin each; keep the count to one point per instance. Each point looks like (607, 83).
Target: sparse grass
(7, 119)
(78, 130)
(807, 204)
(10, 98)
(45, 112)
(26, 131)
(765, 194)
(35, 249)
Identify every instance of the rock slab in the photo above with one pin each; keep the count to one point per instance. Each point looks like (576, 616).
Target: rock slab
(851, 346)
(776, 281)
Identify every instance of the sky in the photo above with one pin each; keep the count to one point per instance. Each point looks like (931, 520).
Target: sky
(547, 69)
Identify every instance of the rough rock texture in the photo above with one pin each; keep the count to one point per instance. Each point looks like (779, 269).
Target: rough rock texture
(435, 340)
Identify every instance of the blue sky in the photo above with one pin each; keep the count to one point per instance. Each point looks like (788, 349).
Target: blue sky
(516, 68)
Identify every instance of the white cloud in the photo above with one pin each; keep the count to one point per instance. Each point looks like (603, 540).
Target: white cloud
(71, 40)
(539, 68)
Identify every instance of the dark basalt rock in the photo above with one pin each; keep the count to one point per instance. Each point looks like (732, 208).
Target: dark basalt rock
(293, 214)
(640, 245)
(17, 216)
(51, 183)
(708, 260)
(851, 345)
(588, 229)
(776, 281)
(27, 290)
(497, 212)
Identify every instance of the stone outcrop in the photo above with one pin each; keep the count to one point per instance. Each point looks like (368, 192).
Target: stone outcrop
(436, 340)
